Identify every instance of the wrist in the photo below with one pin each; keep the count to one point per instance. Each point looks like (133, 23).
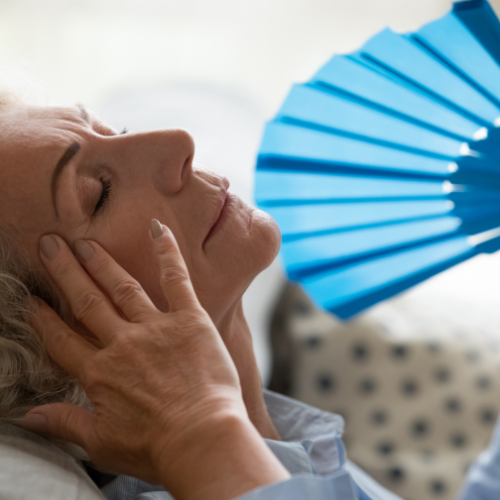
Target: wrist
(238, 340)
(262, 421)
(222, 459)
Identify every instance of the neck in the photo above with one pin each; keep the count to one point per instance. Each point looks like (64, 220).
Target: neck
(235, 333)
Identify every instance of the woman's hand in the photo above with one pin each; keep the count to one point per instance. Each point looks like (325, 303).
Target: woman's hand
(166, 394)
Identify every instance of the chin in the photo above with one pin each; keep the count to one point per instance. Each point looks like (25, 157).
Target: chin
(268, 235)
(249, 251)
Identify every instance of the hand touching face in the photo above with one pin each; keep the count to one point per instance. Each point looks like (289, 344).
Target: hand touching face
(165, 392)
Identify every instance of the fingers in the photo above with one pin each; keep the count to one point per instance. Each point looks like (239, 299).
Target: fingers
(174, 276)
(64, 346)
(64, 421)
(89, 304)
(123, 290)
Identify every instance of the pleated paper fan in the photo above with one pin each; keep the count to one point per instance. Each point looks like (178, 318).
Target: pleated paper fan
(384, 169)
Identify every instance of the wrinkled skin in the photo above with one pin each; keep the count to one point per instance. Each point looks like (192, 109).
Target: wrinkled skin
(151, 175)
(166, 394)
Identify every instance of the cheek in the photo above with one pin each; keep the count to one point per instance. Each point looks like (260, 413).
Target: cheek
(141, 263)
(219, 278)
(129, 243)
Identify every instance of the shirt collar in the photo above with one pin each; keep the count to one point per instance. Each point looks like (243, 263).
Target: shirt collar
(318, 431)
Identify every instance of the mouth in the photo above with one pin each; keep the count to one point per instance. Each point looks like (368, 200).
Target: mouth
(228, 202)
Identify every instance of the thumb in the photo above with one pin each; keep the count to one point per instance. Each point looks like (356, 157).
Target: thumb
(65, 421)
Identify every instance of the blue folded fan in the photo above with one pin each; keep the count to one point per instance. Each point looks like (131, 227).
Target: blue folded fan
(384, 169)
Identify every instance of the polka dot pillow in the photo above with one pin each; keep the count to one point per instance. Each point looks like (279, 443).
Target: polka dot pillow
(419, 390)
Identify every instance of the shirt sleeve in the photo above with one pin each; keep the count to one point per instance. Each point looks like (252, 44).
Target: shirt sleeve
(483, 479)
(311, 450)
(338, 486)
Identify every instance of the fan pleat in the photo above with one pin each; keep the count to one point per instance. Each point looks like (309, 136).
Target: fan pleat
(294, 141)
(366, 84)
(416, 66)
(384, 168)
(316, 108)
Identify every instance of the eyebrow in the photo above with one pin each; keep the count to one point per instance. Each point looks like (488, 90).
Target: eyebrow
(65, 159)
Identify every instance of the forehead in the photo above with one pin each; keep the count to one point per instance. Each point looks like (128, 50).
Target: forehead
(32, 139)
(36, 127)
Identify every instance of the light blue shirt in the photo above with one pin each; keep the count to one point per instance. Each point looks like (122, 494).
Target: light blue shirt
(312, 451)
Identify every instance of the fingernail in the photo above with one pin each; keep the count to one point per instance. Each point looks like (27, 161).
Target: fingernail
(156, 229)
(48, 246)
(84, 250)
(35, 423)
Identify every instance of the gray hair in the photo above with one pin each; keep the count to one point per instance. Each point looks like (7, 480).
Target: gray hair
(28, 377)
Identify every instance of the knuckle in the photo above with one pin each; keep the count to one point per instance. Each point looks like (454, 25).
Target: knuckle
(165, 249)
(101, 266)
(125, 344)
(170, 254)
(173, 276)
(65, 423)
(86, 304)
(193, 318)
(187, 325)
(56, 341)
(62, 268)
(90, 378)
(126, 291)
(128, 349)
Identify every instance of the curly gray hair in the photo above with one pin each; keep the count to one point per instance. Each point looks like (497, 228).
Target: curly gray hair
(28, 377)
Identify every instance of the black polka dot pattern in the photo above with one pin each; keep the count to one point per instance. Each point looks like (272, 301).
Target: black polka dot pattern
(409, 387)
(400, 352)
(442, 375)
(360, 352)
(420, 428)
(413, 401)
(367, 386)
(313, 342)
(437, 487)
(396, 474)
(487, 416)
(325, 382)
(483, 382)
(379, 417)
(453, 405)
(458, 440)
(385, 448)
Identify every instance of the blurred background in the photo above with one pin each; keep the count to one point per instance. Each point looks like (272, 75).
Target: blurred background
(219, 68)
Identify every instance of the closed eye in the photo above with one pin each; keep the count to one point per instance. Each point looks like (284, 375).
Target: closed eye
(106, 189)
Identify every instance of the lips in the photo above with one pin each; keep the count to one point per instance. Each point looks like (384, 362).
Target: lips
(224, 198)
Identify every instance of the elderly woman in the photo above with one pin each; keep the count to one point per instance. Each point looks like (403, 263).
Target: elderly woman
(150, 372)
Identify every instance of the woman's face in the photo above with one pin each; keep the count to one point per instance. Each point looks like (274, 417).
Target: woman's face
(63, 171)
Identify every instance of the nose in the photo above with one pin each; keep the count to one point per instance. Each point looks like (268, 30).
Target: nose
(165, 156)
